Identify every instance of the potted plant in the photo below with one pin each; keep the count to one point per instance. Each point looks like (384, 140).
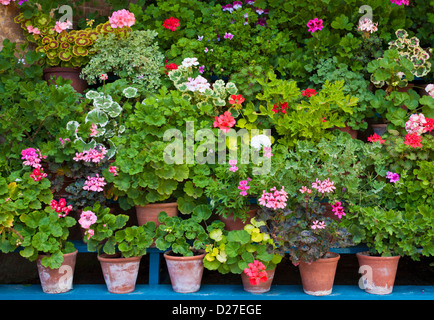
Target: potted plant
(306, 233)
(38, 225)
(185, 241)
(119, 248)
(248, 252)
(63, 53)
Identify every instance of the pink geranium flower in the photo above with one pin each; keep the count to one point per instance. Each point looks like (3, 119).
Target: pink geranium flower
(325, 186)
(87, 218)
(225, 122)
(315, 24)
(243, 187)
(122, 18)
(256, 272)
(61, 26)
(318, 225)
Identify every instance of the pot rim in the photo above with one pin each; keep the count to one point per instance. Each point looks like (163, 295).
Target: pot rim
(51, 69)
(157, 205)
(103, 257)
(185, 258)
(367, 255)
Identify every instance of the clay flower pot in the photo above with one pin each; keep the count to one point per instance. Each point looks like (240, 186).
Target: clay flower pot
(120, 274)
(232, 223)
(73, 74)
(57, 280)
(378, 273)
(185, 272)
(262, 287)
(150, 212)
(318, 277)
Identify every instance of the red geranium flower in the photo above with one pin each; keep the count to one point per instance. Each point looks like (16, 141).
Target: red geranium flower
(171, 23)
(429, 125)
(376, 138)
(413, 140)
(225, 122)
(236, 99)
(170, 66)
(280, 108)
(308, 93)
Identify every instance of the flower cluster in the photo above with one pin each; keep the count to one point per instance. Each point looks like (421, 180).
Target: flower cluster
(260, 141)
(91, 155)
(413, 140)
(93, 131)
(171, 23)
(170, 66)
(416, 126)
(94, 183)
(236, 99)
(38, 174)
(244, 187)
(281, 107)
(60, 207)
(318, 225)
(32, 157)
(325, 186)
(233, 164)
(275, 199)
(376, 138)
(33, 30)
(189, 62)
(315, 24)
(61, 26)
(401, 2)
(198, 84)
(338, 210)
(87, 218)
(393, 177)
(308, 93)
(228, 36)
(113, 170)
(368, 26)
(225, 121)
(122, 18)
(430, 89)
(256, 272)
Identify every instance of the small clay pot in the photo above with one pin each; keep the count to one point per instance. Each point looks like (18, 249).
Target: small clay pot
(185, 272)
(120, 274)
(57, 280)
(378, 273)
(262, 287)
(232, 223)
(150, 212)
(318, 277)
(73, 74)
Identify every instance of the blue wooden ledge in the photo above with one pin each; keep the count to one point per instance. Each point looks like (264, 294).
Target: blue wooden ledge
(210, 292)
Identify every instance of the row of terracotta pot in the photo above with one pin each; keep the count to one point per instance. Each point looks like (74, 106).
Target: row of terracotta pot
(120, 274)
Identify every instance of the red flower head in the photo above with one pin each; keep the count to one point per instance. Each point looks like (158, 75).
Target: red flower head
(308, 93)
(429, 125)
(280, 108)
(376, 138)
(236, 99)
(225, 122)
(170, 66)
(413, 140)
(171, 23)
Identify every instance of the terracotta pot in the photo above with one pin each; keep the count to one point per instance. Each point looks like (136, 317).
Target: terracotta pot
(318, 277)
(232, 223)
(262, 287)
(353, 133)
(378, 273)
(57, 280)
(185, 272)
(150, 212)
(67, 73)
(120, 274)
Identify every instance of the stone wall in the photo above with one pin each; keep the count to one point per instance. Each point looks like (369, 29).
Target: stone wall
(8, 28)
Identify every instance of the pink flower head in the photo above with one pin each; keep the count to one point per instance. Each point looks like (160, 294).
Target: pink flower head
(237, 5)
(122, 18)
(171, 23)
(32, 157)
(233, 164)
(61, 207)
(338, 210)
(113, 170)
(325, 186)
(225, 122)
(243, 187)
(315, 24)
(416, 124)
(94, 183)
(103, 77)
(61, 26)
(30, 29)
(401, 2)
(267, 152)
(93, 131)
(275, 199)
(393, 177)
(318, 225)
(38, 174)
(87, 218)
(91, 155)
(305, 189)
(256, 272)
(228, 36)
(229, 7)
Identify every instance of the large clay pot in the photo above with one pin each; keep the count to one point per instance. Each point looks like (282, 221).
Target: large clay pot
(67, 73)
(120, 274)
(318, 277)
(232, 223)
(262, 287)
(353, 133)
(150, 212)
(378, 273)
(57, 280)
(185, 272)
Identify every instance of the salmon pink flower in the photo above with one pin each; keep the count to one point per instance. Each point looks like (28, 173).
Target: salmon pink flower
(61, 26)
(256, 272)
(225, 122)
(122, 18)
(236, 99)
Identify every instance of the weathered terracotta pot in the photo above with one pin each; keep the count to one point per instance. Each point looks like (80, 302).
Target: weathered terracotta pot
(232, 223)
(120, 274)
(318, 277)
(151, 211)
(379, 128)
(185, 272)
(262, 287)
(73, 74)
(378, 273)
(57, 280)
(353, 133)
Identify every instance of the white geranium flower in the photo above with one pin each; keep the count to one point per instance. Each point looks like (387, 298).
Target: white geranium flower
(189, 62)
(259, 141)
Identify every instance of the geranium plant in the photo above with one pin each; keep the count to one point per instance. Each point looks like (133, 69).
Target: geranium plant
(304, 230)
